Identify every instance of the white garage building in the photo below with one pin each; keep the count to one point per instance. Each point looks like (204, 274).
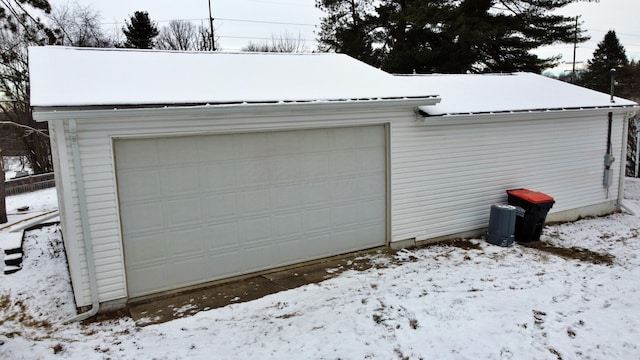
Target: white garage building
(176, 169)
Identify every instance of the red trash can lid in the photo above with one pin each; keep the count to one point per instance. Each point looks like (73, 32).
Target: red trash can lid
(531, 196)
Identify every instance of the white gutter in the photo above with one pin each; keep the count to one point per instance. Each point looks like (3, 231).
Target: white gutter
(206, 111)
(84, 223)
(507, 116)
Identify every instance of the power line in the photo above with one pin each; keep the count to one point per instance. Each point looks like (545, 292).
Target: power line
(262, 38)
(266, 22)
(222, 19)
(617, 33)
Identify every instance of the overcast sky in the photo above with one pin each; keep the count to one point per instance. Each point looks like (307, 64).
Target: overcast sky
(238, 22)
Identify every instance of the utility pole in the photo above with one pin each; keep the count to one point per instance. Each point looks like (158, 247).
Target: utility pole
(213, 42)
(575, 45)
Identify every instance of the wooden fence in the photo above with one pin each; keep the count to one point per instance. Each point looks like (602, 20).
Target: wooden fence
(28, 184)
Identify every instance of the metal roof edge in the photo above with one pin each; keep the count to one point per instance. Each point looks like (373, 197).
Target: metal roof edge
(502, 116)
(53, 113)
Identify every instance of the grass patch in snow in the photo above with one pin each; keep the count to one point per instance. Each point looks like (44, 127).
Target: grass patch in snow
(574, 252)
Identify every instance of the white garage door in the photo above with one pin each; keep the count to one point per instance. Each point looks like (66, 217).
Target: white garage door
(200, 208)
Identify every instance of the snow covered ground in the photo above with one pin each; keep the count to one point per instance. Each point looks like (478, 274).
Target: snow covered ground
(466, 300)
(14, 165)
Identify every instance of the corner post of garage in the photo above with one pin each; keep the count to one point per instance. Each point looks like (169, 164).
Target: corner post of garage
(84, 224)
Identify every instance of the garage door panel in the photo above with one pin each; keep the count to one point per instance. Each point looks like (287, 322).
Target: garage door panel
(286, 197)
(370, 185)
(222, 235)
(140, 185)
(287, 225)
(178, 180)
(226, 262)
(317, 194)
(138, 154)
(253, 202)
(317, 220)
(248, 146)
(247, 202)
(284, 170)
(186, 271)
(369, 211)
(177, 151)
(219, 175)
(214, 148)
(358, 239)
(264, 256)
(147, 249)
(321, 243)
(370, 136)
(344, 139)
(344, 163)
(345, 189)
(140, 218)
(313, 142)
(315, 167)
(218, 207)
(254, 230)
(283, 143)
(369, 160)
(186, 242)
(252, 173)
(149, 279)
(345, 215)
(183, 211)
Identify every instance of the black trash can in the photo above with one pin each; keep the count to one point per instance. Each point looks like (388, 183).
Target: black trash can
(530, 220)
(502, 221)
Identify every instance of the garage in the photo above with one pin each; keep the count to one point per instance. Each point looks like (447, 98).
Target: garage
(199, 208)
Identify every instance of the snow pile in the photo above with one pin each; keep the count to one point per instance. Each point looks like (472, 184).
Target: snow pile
(573, 297)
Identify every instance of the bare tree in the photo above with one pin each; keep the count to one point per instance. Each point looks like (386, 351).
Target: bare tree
(183, 35)
(15, 105)
(79, 26)
(21, 27)
(285, 43)
(204, 39)
(178, 35)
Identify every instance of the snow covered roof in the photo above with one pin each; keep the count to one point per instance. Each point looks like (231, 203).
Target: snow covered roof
(65, 76)
(467, 94)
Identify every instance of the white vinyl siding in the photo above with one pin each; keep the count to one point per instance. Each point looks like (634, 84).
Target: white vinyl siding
(445, 177)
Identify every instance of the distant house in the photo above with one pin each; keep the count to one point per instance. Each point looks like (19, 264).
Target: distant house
(177, 169)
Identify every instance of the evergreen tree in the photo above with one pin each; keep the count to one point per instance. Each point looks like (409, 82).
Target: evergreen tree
(609, 54)
(403, 36)
(18, 16)
(140, 31)
(347, 28)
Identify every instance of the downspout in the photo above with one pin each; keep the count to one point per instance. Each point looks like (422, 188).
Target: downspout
(608, 157)
(623, 162)
(84, 223)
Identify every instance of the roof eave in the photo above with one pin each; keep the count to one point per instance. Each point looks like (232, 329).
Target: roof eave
(52, 113)
(501, 116)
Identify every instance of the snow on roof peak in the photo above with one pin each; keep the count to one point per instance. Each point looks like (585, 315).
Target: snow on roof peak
(66, 76)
